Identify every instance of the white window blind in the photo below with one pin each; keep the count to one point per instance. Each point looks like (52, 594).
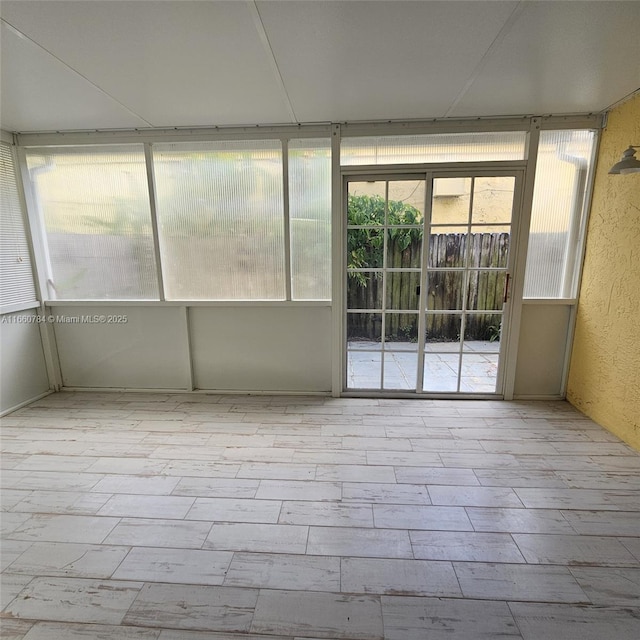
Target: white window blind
(16, 274)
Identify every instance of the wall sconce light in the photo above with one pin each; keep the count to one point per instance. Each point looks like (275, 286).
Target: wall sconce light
(628, 163)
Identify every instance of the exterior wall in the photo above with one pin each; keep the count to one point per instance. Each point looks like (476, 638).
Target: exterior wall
(604, 378)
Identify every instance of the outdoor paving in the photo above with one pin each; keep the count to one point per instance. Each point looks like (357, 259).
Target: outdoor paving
(478, 375)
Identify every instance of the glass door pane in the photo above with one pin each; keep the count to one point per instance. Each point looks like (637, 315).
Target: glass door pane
(385, 230)
(465, 279)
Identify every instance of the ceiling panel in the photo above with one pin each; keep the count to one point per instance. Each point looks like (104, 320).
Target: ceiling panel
(41, 93)
(379, 60)
(173, 63)
(560, 57)
(102, 64)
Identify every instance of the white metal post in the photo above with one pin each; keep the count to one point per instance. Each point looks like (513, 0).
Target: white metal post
(337, 267)
(41, 265)
(148, 161)
(521, 222)
(287, 222)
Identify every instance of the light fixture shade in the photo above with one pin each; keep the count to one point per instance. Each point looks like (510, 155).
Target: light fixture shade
(628, 164)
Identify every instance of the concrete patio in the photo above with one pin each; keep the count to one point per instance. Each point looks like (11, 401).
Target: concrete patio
(478, 374)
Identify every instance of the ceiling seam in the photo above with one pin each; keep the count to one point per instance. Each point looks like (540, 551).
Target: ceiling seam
(24, 36)
(264, 38)
(501, 35)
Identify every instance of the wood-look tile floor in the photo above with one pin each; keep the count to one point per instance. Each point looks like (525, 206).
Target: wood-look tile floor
(196, 517)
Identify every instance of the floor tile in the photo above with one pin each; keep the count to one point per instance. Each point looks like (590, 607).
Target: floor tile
(376, 444)
(571, 550)
(605, 586)
(518, 582)
(11, 585)
(397, 576)
(372, 492)
(54, 528)
(326, 514)
(126, 466)
(235, 510)
(71, 560)
(355, 473)
(185, 566)
(62, 502)
(368, 543)
(50, 480)
(60, 630)
(404, 458)
(450, 545)
(56, 462)
(573, 622)
(421, 517)
(351, 457)
(282, 538)
(519, 478)
(265, 470)
(519, 520)
(12, 521)
(193, 607)
(284, 571)
(328, 615)
(154, 485)
(436, 476)
(474, 496)
(410, 618)
(137, 506)
(9, 498)
(11, 550)
(176, 634)
(159, 533)
(633, 545)
(201, 468)
(612, 481)
(299, 490)
(216, 487)
(579, 499)
(604, 523)
(75, 600)
(15, 629)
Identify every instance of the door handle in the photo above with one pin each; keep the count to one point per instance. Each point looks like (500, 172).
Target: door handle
(506, 288)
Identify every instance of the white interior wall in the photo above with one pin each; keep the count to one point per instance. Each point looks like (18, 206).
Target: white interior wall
(544, 332)
(134, 347)
(262, 348)
(23, 371)
(237, 348)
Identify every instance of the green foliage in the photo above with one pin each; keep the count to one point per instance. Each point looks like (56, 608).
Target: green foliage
(365, 246)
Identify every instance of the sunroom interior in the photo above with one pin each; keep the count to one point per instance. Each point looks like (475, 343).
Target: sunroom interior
(222, 239)
(328, 209)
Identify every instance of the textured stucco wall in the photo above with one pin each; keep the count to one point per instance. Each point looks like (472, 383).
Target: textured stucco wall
(604, 377)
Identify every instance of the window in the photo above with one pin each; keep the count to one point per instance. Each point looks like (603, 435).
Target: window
(558, 212)
(439, 147)
(16, 276)
(94, 204)
(221, 219)
(310, 218)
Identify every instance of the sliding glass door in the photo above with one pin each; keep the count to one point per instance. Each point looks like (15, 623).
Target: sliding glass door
(428, 263)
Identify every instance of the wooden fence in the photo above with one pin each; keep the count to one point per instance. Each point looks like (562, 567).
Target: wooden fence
(484, 292)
